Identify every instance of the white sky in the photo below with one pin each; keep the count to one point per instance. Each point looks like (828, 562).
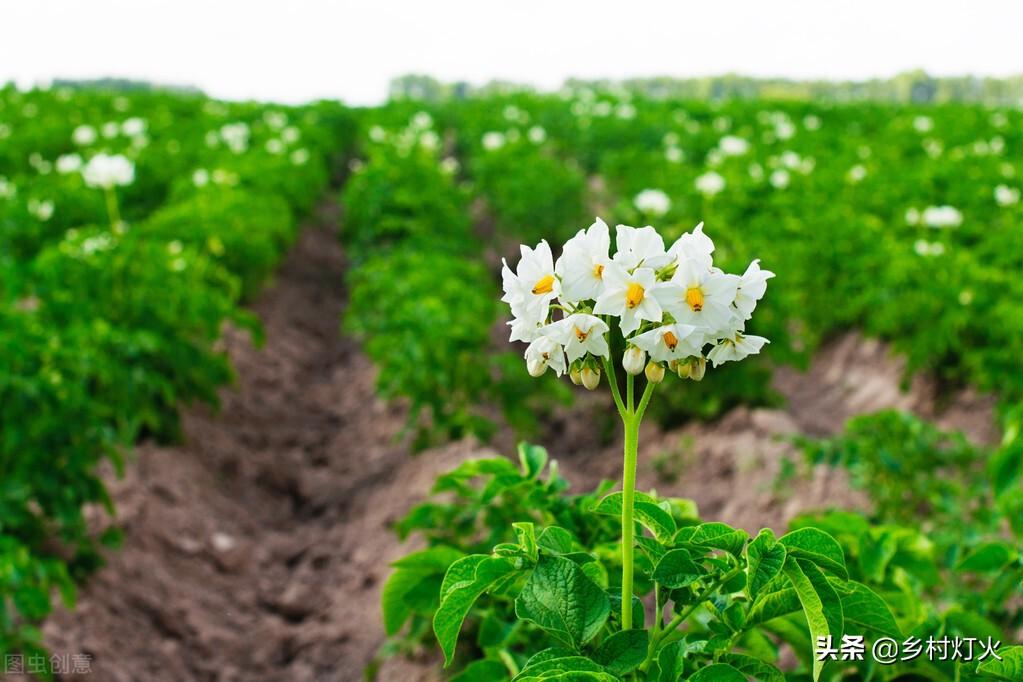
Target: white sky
(302, 49)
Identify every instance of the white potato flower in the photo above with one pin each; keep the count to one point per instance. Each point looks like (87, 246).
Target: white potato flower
(69, 163)
(630, 296)
(671, 342)
(530, 289)
(640, 246)
(752, 287)
(582, 262)
(736, 347)
(493, 140)
(653, 202)
(580, 333)
(780, 178)
(1006, 196)
(703, 298)
(733, 145)
(133, 127)
(940, 217)
(542, 353)
(83, 135)
(107, 171)
(710, 183)
(671, 305)
(537, 135)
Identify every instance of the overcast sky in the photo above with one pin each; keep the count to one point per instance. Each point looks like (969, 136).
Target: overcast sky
(303, 49)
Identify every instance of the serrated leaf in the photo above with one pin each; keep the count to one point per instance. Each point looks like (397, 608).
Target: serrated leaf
(677, 569)
(624, 651)
(818, 547)
(753, 667)
(821, 604)
(562, 600)
(1010, 668)
(533, 459)
(719, 536)
(464, 582)
(718, 672)
(647, 512)
(863, 608)
(765, 558)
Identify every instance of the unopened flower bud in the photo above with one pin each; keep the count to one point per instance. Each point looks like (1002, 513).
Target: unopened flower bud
(634, 360)
(575, 376)
(697, 368)
(536, 366)
(654, 372)
(681, 368)
(590, 377)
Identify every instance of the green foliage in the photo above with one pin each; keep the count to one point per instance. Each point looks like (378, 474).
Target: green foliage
(107, 331)
(543, 603)
(422, 300)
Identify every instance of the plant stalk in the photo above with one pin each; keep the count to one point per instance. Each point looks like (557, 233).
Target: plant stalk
(628, 502)
(112, 210)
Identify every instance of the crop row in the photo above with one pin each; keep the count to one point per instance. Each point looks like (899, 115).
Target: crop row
(116, 292)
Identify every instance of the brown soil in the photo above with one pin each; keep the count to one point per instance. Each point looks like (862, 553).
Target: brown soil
(256, 550)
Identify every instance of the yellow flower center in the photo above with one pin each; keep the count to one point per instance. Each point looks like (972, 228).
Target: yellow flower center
(598, 271)
(694, 297)
(544, 285)
(580, 334)
(633, 295)
(670, 340)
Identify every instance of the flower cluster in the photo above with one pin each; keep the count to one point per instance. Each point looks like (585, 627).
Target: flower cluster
(670, 304)
(106, 171)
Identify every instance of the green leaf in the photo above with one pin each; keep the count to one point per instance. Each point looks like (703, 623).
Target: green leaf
(1005, 466)
(464, 582)
(624, 651)
(533, 459)
(677, 569)
(414, 585)
(988, 558)
(753, 667)
(863, 608)
(817, 546)
(482, 671)
(718, 672)
(719, 536)
(671, 660)
(1010, 668)
(562, 665)
(556, 540)
(821, 604)
(765, 558)
(647, 512)
(877, 548)
(562, 600)
(771, 605)
(526, 534)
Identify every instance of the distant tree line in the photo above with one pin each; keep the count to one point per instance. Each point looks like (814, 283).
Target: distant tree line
(913, 86)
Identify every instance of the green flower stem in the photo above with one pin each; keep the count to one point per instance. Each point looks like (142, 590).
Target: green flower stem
(609, 369)
(631, 418)
(112, 210)
(628, 498)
